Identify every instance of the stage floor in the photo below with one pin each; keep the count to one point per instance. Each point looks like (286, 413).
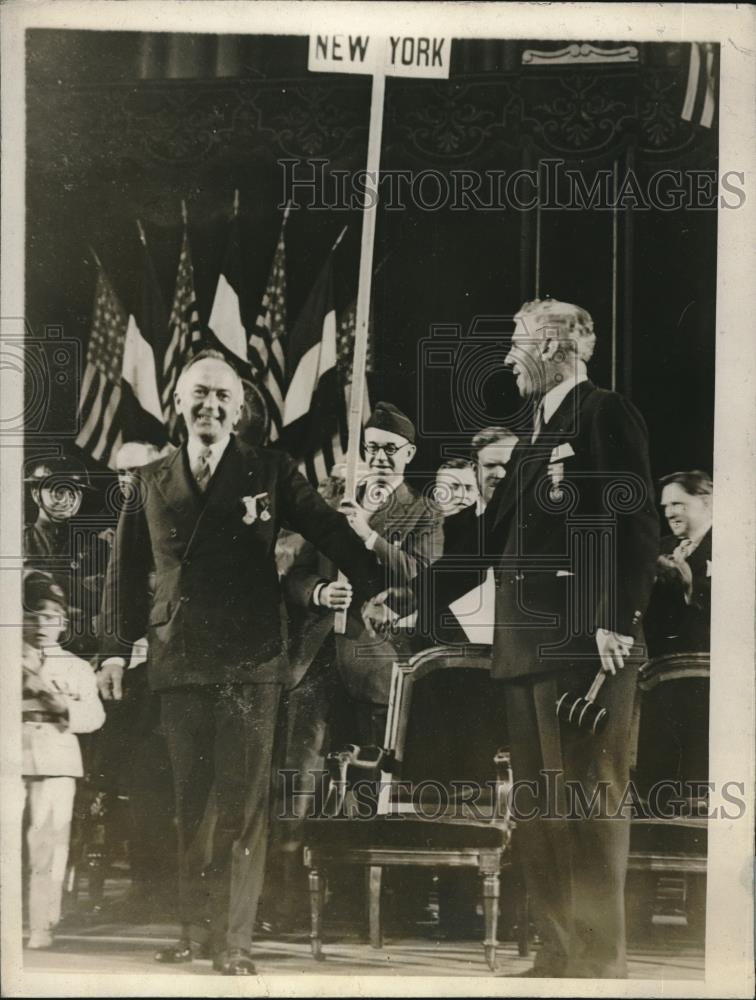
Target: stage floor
(107, 948)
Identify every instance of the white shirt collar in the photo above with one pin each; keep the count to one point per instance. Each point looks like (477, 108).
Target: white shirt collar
(194, 447)
(696, 539)
(554, 397)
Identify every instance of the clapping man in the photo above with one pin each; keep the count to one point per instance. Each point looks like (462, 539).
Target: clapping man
(679, 615)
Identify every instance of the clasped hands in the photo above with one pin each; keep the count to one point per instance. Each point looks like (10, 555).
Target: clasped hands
(673, 566)
(377, 616)
(613, 647)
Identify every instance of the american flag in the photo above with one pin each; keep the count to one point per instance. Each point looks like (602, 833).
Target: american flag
(268, 339)
(345, 341)
(699, 105)
(100, 432)
(185, 332)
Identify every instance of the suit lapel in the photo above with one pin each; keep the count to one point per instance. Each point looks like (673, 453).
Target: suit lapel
(236, 476)
(534, 458)
(175, 483)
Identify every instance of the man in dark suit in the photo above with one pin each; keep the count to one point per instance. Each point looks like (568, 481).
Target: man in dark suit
(405, 531)
(472, 619)
(572, 533)
(679, 615)
(207, 520)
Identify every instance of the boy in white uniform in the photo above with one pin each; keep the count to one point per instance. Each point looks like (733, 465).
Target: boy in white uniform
(60, 699)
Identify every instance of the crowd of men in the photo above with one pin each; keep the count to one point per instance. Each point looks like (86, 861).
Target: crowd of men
(209, 617)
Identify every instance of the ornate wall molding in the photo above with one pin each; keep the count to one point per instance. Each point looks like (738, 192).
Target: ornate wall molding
(579, 53)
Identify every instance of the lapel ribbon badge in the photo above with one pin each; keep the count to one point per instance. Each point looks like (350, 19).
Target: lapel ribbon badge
(256, 506)
(556, 473)
(556, 470)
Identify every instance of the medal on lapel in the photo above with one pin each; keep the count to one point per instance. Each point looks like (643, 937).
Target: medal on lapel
(556, 474)
(256, 506)
(556, 470)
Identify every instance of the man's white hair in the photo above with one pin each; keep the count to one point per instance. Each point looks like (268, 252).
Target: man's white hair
(565, 322)
(209, 354)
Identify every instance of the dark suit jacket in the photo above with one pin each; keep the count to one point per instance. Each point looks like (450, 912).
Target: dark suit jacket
(216, 614)
(572, 534)
(672, 626)
(410, 537)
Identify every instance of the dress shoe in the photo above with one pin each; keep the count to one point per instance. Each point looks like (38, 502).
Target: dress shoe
(235, 962)
(183, 951)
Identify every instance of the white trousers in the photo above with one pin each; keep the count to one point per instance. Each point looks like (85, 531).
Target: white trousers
(50, 810)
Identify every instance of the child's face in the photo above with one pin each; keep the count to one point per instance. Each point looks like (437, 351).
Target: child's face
(45, 625)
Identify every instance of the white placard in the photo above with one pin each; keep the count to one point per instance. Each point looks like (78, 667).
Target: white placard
(399, 55)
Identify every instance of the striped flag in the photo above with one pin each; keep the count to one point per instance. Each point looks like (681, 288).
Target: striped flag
(268, 340)
(228, 315)
(185, 332)
(315, 419)
(100, 395)
(700, 100)
(347, 324)
(319, 356)
(143, 350)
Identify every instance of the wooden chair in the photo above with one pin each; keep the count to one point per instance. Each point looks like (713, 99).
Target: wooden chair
(672, 746)
(440, 790)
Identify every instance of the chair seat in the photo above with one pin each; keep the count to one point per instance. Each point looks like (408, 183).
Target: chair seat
(673, 836)
(403, 831)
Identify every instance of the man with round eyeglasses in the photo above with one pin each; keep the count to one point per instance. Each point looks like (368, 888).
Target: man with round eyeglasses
(405, 531)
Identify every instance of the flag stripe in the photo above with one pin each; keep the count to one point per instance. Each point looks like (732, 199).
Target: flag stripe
(707, 114)
(266, 343)
(139, 369)
(225, 318)
(113, 395)
(92, 411)
(692, 87)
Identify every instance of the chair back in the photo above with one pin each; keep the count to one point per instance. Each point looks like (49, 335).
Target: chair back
(446, 723)
(673, 737)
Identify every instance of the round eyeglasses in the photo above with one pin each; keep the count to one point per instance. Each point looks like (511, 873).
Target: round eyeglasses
(389, 450)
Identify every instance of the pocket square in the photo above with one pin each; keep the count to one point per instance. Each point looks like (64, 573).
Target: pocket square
(561, 452)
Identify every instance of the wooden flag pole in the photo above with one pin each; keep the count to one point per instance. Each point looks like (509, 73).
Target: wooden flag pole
(369, 213)
(409, 55)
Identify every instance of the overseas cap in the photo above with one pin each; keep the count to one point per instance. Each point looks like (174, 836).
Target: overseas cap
(387, 417)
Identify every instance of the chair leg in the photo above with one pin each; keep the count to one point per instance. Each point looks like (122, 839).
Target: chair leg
(523, 923)
(317, 896)
(374, 877)
(491, 913)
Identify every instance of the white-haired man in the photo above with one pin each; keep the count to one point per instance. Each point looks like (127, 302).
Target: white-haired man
(208, 521)
(572, 533)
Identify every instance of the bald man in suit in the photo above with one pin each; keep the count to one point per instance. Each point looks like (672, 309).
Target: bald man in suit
(206, 521)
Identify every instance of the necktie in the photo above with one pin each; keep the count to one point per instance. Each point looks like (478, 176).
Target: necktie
(537, 423)
(201, 469)
(685, 547)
